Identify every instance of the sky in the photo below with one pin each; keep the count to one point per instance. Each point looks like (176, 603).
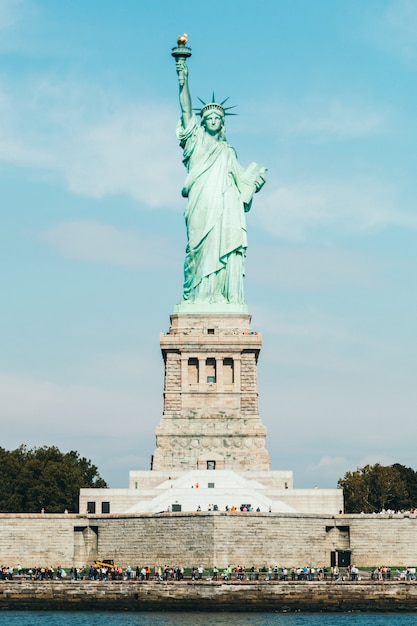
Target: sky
(92, 234)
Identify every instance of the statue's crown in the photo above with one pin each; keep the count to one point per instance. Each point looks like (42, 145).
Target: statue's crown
(217, 107)
(212, 106)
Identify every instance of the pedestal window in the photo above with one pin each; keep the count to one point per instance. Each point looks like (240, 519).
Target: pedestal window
(211, 370)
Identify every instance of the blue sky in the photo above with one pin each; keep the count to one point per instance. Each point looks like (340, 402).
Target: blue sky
(92, 236)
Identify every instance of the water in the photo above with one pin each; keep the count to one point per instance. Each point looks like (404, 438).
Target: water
(53, 618)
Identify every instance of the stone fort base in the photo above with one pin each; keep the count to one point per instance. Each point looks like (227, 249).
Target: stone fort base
(207, 539)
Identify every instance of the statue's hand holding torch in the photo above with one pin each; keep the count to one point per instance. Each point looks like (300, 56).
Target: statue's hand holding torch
(182, 71)
(181, 52)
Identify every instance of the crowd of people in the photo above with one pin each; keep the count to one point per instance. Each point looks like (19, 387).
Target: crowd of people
(243, 508)
(108, 571)
(394, 512)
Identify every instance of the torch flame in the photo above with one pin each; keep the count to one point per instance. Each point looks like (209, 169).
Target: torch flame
(182, 39)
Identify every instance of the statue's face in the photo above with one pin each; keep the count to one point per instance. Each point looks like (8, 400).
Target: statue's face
(213, 123)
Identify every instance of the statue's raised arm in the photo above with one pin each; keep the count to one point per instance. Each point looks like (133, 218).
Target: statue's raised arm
(181, 53)
(185, 97)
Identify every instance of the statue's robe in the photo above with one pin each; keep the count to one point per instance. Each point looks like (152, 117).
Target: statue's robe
(219, 191)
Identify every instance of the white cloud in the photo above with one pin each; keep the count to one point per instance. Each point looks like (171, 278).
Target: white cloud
(34, 408)
(317, 331)
(133, 152)
(96, 143)
(322, 118)
(110, 425)
(308, 345)
(17, 24)
(291, 211)
(102, 243)
(124, 370)
(9, 13)
(301, 267)
(371, 459)
(338, 121)
(333, 417)
(400, 26)
(312, 325)
(393, 29)
(328, 466)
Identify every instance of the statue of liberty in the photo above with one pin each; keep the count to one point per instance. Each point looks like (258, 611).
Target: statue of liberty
(219, 192)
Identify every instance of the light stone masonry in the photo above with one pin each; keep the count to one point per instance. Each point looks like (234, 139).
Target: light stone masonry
(209, 595)
(207, 539)
(210, 396)
(210, 443)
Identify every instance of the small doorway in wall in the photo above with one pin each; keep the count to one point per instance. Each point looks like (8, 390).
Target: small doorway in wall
(341, 558)
(211, 465)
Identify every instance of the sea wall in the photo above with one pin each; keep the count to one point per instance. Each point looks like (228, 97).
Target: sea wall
(207, 539)
(207, 596)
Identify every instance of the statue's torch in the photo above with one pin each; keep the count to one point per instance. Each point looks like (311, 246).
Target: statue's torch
(181, 51)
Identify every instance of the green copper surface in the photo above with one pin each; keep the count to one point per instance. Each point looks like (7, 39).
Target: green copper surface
(219, 192)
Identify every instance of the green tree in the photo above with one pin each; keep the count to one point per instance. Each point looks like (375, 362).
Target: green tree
(356, 490)
(410, 477)
(44, 478)
(374, 488)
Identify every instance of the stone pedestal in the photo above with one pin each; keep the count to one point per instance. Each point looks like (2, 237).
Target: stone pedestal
(211, 422)
(210, 418)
